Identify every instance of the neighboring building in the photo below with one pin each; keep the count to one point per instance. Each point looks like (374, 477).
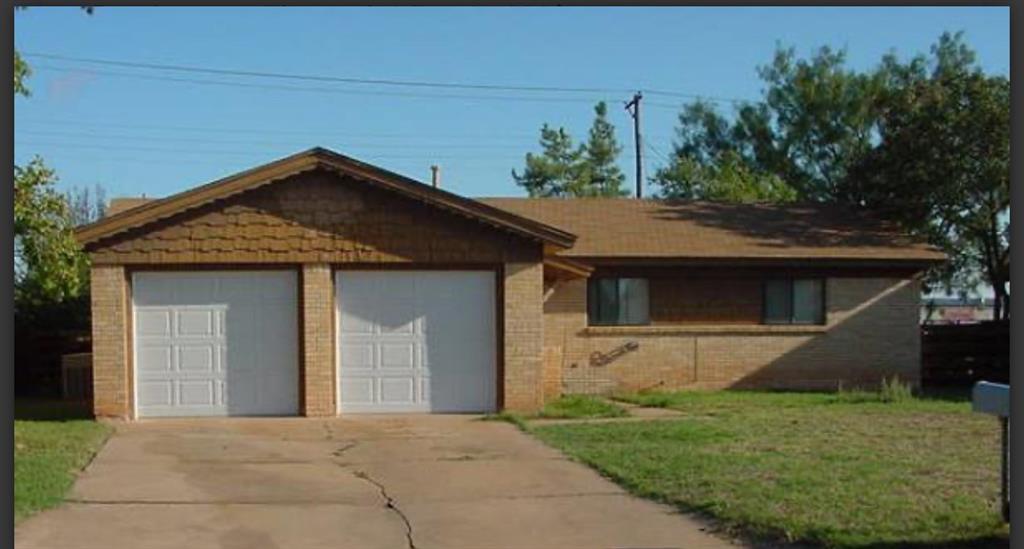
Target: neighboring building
(955, 310)
(318, 285)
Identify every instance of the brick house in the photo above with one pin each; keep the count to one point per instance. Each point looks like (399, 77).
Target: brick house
(317, 285)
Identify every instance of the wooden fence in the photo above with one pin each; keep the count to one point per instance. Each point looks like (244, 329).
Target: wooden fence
(37, 360)
(961, 354)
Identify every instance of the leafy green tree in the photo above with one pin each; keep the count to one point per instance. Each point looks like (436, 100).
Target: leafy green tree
(21, 73)
(50, 270)
(564, 169)
(48, 262)
(728, 179)
(942, 168)
(814, 117)
(601, 154)
(923, 142)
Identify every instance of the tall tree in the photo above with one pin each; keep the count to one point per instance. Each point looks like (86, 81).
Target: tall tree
(728, 179)
(558, 170)
(814, 116)
(50, 269)
(564, 169)
(710, 163)
(923, 142)
(87, 206)
(942, 169)
(48, 262)
(601, 155)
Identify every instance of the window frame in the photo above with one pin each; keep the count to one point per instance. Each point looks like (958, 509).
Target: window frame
(593, 301)
(820, 317)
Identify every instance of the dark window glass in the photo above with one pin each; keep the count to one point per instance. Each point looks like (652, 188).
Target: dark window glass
(794, 301)
(807, 302)
(618, 301)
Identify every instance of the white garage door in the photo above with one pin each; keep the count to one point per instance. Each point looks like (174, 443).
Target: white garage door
(416, 341)
(216, 343)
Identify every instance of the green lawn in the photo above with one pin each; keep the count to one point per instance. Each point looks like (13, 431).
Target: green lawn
(52, 442)
(581, 407)
(845, 470)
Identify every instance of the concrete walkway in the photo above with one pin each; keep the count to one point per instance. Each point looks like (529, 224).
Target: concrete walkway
(376, 481)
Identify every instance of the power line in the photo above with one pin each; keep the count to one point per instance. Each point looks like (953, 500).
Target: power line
(375, 93)
(280, 151)
(315, 131)
(657, 152)
(317, 78)
(430, 146)
(374, 81)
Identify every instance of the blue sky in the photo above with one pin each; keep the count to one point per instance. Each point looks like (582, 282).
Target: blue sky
(106, 125)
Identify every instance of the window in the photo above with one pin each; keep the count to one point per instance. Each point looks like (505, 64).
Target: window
(794, 301)
(618, 301)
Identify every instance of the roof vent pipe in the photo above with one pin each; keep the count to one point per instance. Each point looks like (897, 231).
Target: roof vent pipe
(435, 176)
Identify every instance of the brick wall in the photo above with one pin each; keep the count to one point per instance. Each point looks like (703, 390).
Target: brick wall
(871, 331)
(318, 381)
(524, 336)
(111, 382)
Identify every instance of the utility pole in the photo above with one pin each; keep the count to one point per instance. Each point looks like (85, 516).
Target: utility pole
(634, 110)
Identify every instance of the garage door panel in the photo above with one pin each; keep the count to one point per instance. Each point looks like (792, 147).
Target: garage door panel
(196, 358)
(398, 355)
(398, 390)
(416, 341)
(357, 354)
(357, 390)
(151, 323)
(157, 393)
(155, 358)
(216, 343)
(196, 393)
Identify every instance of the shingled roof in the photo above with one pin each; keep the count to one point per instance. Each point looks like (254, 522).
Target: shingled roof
(628, 228)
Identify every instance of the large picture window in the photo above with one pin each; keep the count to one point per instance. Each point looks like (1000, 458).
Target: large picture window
(794, 301)
(618, 301)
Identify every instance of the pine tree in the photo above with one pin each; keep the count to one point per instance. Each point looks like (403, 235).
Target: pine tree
(557, 171)
(565, 170)
(600, 154)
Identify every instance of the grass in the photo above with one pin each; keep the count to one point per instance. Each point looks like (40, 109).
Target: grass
(565, 407)
(819, 468)
(581, 407)
(52, 442)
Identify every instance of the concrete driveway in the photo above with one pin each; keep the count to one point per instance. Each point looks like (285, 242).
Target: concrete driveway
(375, 481)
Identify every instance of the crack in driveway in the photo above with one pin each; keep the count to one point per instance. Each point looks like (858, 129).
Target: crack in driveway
(389, 502)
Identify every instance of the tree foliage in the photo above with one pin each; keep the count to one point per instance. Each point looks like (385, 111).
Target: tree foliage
(563, 169)
(51, 272)
(21, 73)
(924, 142)
(942, 168)
(600, 156)
(48, 264)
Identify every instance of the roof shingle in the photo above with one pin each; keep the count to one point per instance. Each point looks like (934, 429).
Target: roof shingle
(630, 228)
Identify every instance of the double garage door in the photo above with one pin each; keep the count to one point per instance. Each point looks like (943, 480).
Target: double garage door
(227, 343)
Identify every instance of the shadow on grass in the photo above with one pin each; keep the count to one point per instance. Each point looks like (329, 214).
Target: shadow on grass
(994, 542)
(38, 409)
